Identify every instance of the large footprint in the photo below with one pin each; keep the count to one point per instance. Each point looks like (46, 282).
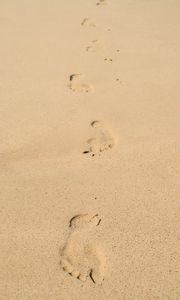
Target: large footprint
(77, 83)
(103, 138)
(80, 257)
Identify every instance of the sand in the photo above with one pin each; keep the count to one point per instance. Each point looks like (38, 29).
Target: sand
(90, 124)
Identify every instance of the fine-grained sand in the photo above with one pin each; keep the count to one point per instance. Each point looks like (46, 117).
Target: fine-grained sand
(90, 128)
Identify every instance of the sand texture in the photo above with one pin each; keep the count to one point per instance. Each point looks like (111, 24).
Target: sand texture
(90, 150)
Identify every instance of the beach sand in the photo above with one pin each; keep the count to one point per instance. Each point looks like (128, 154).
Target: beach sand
(90, 124)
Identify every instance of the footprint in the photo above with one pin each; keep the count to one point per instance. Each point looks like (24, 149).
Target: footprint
(103, 140)
(81, 257)
(102, 2)
(88, 22)
(94, 46)
(108, 59)
(77, 83)
(111, 56)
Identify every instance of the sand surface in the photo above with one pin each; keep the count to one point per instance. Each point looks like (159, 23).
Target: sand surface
(64, 65)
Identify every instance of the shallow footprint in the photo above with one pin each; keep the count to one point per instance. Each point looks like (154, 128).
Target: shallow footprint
(88, 22)
(81, 257)
(102, 2)
(103, 139)
(77, 83)
(94, 46)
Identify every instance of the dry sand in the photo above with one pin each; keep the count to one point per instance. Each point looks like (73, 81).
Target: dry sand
(64, 65)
